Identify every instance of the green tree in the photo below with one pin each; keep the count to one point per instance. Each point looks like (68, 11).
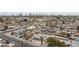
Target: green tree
(63, 34)
(68, 35)
(52, 42)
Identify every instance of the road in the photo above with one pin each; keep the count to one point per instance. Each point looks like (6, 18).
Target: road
(16, 40)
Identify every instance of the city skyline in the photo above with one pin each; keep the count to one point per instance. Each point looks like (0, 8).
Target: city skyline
(40, 13)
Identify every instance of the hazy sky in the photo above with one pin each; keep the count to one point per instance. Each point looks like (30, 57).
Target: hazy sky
(44, 13)
(40, 6)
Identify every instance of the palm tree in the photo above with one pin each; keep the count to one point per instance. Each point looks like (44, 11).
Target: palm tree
(77, 28)
(61, 28)
(41, 38)
(1, 20)
(6, 27)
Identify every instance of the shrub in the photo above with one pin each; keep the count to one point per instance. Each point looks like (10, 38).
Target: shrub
(52, 42)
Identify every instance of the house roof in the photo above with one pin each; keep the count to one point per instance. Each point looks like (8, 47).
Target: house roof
(76, 34)
(31, 27)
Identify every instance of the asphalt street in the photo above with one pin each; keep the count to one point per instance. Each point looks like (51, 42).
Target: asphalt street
(16, 40)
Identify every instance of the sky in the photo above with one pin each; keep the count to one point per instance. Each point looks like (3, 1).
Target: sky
(39, 5)
(57, 7)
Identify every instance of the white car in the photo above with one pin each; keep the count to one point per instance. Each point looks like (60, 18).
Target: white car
(1, 39)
